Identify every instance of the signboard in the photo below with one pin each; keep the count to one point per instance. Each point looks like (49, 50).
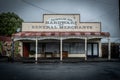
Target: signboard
(62, 23)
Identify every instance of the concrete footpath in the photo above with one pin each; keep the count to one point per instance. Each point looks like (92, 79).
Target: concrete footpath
(57, 60)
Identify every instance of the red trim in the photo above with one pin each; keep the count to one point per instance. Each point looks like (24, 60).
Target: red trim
(31, 34)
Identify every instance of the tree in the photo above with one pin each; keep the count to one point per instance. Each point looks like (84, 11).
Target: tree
(9, 23)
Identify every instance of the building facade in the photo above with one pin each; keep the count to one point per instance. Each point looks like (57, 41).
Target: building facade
(61, 36)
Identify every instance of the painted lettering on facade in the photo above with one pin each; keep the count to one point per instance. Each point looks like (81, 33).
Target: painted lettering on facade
(62, 27)
(62, 23)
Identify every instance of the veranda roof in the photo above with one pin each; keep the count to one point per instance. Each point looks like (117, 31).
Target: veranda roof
(61, 34)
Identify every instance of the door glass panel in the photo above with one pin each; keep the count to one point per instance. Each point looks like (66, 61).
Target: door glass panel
(89, 49)
(95, 49)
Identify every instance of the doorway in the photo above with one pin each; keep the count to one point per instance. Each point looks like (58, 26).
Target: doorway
(92, 50)
(26, 48)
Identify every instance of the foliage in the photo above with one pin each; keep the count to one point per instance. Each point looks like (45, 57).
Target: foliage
(17, 50)
(9, 22)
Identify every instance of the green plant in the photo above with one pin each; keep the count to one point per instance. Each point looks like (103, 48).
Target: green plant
(17, 50)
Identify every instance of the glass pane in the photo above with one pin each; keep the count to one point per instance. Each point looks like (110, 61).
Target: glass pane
(32, 46)
(39, 48)
(52, 47)
(77, 48)
(66, 47)
(95, 49)
(89, 49)
(81, 47)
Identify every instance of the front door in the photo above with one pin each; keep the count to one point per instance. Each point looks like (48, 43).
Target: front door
(26, 48)
(92, 50)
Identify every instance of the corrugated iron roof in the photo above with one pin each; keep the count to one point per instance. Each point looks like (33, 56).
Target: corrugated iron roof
(38, 34)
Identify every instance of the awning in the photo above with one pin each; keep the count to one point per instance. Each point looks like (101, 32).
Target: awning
(62, 34)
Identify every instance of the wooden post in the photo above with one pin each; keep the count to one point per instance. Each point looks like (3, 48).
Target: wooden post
(85, 48)
(60, 49)
(100, 52)
(36, 50)
(109, 49)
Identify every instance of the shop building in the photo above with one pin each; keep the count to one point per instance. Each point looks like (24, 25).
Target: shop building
(61, 36)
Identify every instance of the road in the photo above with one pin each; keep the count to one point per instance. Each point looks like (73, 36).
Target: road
(60, 71)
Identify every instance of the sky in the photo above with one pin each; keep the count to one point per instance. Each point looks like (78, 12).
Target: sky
(104, 11)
